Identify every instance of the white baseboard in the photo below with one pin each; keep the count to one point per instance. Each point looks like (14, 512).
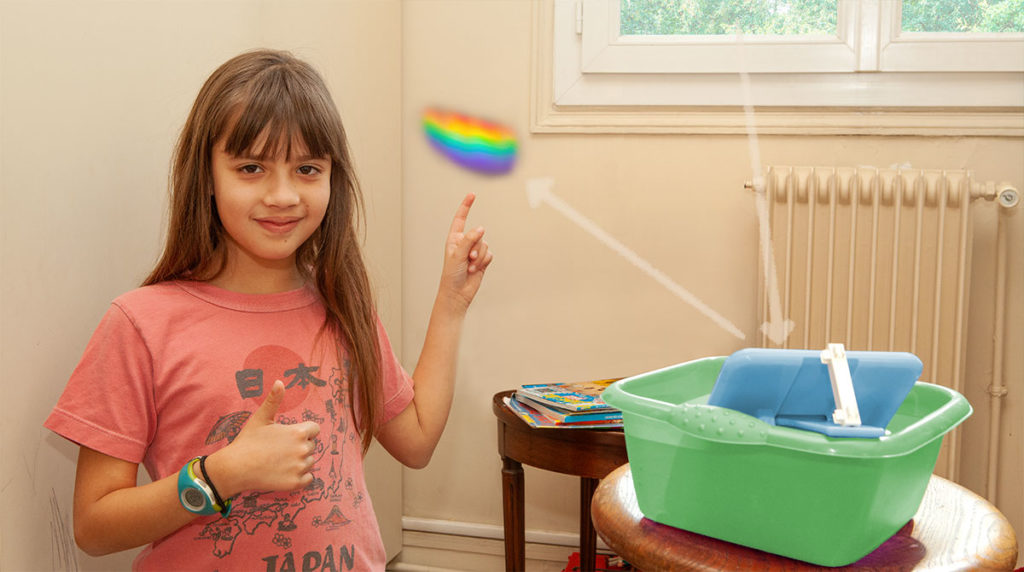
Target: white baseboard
(422, 551)
(435, 545)
(479, 530)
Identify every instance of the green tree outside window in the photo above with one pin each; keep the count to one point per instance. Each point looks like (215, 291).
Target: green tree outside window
(800, 17)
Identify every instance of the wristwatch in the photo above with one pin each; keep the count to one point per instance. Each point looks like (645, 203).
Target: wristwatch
(196, 494)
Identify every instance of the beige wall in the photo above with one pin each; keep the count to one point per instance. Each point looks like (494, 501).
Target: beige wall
(92, 95)
(559, 305)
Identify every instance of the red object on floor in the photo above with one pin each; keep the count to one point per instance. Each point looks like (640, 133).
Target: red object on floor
(602, 563)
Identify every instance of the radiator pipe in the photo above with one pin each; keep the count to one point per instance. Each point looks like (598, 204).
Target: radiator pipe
(1005, 193)
(1008, 197)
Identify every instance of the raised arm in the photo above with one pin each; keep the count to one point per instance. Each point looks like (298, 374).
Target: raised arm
(413, 434)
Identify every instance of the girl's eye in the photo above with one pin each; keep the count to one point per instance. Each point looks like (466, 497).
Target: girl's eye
(308, 170)
(249, 169)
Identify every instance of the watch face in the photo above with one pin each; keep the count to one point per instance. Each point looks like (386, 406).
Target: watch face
(193, 498)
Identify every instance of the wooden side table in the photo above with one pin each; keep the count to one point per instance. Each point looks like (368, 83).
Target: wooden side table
(587, 453)
(954, 529)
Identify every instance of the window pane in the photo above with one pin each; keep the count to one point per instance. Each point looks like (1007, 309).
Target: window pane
(727, 17)
(963, 15)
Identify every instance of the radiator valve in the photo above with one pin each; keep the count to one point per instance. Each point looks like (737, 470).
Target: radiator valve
(1007, 195)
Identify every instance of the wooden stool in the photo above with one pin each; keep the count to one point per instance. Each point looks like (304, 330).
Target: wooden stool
(587, 453)
(954, 529)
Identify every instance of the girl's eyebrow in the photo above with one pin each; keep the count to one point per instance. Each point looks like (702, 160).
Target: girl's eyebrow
(311, 157)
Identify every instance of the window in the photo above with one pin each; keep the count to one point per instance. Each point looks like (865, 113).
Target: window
(916, 66)
(697, 18)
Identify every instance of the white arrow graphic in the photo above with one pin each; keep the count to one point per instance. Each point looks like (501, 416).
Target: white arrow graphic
(777, 328)
(538, 191)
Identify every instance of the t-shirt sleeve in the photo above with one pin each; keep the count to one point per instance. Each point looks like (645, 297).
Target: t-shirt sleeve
(108, 404)
(397, 384)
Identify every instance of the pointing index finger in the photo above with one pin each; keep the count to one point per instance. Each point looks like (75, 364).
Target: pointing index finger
(459, 222)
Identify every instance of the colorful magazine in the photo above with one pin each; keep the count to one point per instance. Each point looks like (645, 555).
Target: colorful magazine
(564, 416)
(534, 419)
(577, 396)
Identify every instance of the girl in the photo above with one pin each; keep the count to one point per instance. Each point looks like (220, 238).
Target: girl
(250, 371)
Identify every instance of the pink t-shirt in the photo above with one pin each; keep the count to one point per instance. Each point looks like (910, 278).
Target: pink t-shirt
(174, 370)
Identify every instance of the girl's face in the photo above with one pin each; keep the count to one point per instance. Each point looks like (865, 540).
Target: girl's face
(269, 207)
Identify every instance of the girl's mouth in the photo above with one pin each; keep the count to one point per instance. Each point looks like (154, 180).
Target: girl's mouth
(278, 225)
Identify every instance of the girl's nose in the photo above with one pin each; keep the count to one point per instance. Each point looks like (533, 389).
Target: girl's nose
(281, 191)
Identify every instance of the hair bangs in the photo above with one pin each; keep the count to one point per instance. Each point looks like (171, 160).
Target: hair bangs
(281, 115)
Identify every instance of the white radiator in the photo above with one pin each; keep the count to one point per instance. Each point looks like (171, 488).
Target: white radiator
(876, 259)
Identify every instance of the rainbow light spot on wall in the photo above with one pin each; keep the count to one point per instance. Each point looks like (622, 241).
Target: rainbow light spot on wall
(472, 143)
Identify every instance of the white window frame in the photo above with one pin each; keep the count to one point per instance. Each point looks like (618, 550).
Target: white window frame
(868, 79)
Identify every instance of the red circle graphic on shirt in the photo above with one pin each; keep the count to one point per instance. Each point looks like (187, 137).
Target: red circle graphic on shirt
(266, 364)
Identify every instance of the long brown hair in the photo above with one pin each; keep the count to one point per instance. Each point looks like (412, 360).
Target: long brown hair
(275, 94)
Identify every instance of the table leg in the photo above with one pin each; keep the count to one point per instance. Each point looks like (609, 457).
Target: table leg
(588, 536)
(513, 498)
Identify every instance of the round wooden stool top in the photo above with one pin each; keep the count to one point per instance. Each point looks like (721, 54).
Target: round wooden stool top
(954, 529)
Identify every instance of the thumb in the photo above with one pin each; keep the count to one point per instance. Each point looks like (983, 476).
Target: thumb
(267, 411)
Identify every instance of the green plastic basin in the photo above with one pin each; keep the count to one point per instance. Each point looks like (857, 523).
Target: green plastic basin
(721, 473)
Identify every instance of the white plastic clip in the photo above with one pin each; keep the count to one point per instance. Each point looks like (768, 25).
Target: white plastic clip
(846, 413)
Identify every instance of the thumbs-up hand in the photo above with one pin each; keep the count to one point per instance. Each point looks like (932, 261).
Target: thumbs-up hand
(266, 413)
(266, 455)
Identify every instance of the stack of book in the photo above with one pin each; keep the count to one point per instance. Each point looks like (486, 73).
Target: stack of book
(565, 405)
